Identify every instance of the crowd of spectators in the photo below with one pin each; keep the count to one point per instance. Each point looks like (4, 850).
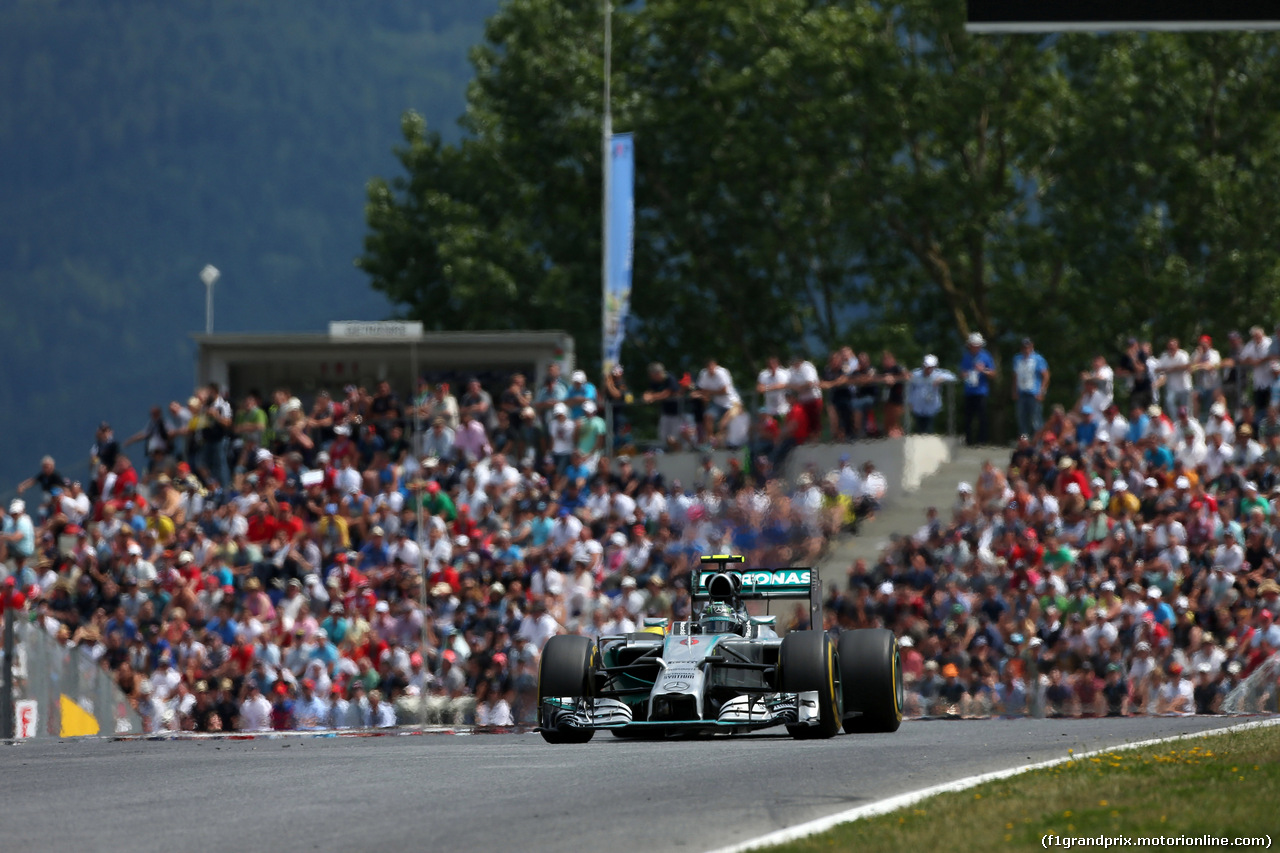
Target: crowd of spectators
(849, 399)
(1121, 560)
(370, 560)
(280, 565)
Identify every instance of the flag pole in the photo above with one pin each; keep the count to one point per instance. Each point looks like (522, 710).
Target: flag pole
(605, 165)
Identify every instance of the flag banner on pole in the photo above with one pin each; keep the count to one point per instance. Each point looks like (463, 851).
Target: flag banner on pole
(618, 245)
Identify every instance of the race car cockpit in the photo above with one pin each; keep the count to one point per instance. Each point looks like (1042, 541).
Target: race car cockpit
(719, 617)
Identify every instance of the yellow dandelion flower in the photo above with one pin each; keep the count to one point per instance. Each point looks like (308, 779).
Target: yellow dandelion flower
(1102, 803)
(1008, 838)
(1067, 813)
(1008, 825)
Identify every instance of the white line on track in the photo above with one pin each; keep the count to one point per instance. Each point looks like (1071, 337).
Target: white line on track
(822, 824)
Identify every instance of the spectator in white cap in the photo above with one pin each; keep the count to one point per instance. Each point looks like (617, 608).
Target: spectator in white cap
(580, 392)
(924, 393)
(18, 535)
(563, 432)
(589, 435)
(1123, 500)
(977, 367)
(631, 598)
(1219, 422)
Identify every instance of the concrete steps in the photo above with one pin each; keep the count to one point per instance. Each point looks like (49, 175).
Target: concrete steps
(907, 514)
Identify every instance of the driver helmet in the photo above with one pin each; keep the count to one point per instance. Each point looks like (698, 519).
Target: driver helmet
(719, 618)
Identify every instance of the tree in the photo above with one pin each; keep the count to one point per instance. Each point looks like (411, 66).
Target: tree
(811, 174)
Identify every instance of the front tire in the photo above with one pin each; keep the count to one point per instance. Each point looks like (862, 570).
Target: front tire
(566, 672)
(807, 662)
(871, 674)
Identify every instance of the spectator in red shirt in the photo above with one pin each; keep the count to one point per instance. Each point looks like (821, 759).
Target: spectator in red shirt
(262, 526)
(795, 430)
(1069, 472)
(287, 521)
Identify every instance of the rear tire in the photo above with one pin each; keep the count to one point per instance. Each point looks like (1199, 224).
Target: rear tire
(807, 662)
(871, 674)
(567, 671)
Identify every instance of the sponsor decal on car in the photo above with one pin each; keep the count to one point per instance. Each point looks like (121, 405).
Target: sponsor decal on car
(764, 579)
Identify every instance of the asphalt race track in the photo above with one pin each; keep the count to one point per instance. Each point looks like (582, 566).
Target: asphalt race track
(496, 792)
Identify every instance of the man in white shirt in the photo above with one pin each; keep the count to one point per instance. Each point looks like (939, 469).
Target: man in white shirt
(255, 711)
(848, 481)
(1173, 371)
(1217, 454)
(1189, 443)
(599, 502)
(1176, 696)
(1257, 355)
(1104, 379)
(1206, 374)
(348, 480)
(804, 382)
(538, 626)
(546, 581)
(636, 555)
(1229, 556)
(624, 506)
(651, 503)
(772, 383)
(405, 549)
(874, 486)
(924, 394)
(565, 530)
(715, 386)
(438, 549)
(1219, 422)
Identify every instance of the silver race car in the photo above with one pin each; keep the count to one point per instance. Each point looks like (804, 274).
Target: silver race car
(723, 671)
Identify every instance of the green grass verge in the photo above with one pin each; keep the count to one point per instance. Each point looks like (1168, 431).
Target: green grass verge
(1220, 785)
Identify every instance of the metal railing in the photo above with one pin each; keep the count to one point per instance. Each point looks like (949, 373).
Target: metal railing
(74, 694)
(635, 424)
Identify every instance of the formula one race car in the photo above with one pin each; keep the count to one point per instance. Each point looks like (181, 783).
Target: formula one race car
(723, 671)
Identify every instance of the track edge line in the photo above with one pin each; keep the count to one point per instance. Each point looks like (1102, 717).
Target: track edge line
(898, 801)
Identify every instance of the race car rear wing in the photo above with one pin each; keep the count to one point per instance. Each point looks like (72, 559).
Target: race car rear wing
(758, 584)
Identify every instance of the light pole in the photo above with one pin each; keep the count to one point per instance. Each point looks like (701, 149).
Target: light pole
(209, 275)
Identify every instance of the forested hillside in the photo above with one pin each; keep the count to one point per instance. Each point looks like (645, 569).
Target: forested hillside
(142, 139)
